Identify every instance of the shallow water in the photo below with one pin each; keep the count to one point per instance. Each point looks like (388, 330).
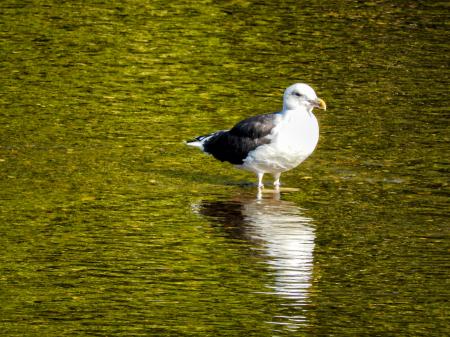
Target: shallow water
(110, 225)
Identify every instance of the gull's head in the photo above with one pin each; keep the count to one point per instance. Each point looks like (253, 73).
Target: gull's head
(302, 96)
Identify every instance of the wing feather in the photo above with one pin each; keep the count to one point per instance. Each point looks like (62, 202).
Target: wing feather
(234, 145)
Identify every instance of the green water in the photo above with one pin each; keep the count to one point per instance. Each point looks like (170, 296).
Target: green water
(111, 226)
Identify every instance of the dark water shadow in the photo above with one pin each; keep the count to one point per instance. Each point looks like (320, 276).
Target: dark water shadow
(282, 236)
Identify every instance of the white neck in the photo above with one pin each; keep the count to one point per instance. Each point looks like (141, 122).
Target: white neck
(300, 112)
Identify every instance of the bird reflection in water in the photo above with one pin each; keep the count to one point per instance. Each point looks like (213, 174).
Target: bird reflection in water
(285, 238)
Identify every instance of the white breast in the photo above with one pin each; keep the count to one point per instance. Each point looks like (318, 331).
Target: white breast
(293, 139)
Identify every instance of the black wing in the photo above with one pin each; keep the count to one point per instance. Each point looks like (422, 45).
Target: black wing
(234, 145)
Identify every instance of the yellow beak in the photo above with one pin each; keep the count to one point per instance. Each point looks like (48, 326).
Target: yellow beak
(320, 103)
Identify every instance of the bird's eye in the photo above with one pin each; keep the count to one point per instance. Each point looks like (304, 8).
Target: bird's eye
(297, 94)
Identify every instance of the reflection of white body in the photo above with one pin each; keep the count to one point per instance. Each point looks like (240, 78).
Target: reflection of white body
(285, 239)
(288, 243)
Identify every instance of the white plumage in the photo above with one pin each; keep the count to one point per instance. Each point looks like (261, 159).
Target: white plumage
(270, 143)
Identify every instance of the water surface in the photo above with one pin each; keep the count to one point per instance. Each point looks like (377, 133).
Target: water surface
(110, 225)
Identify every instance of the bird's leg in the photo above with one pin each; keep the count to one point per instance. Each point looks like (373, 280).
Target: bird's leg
(276, 182)
(260, 179)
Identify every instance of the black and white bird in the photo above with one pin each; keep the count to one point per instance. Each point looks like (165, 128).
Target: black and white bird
(270, 143)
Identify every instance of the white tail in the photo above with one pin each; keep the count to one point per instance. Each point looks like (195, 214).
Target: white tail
(199, 141)
(196, 143)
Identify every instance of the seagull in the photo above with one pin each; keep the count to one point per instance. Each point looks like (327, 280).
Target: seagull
(270, 143)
